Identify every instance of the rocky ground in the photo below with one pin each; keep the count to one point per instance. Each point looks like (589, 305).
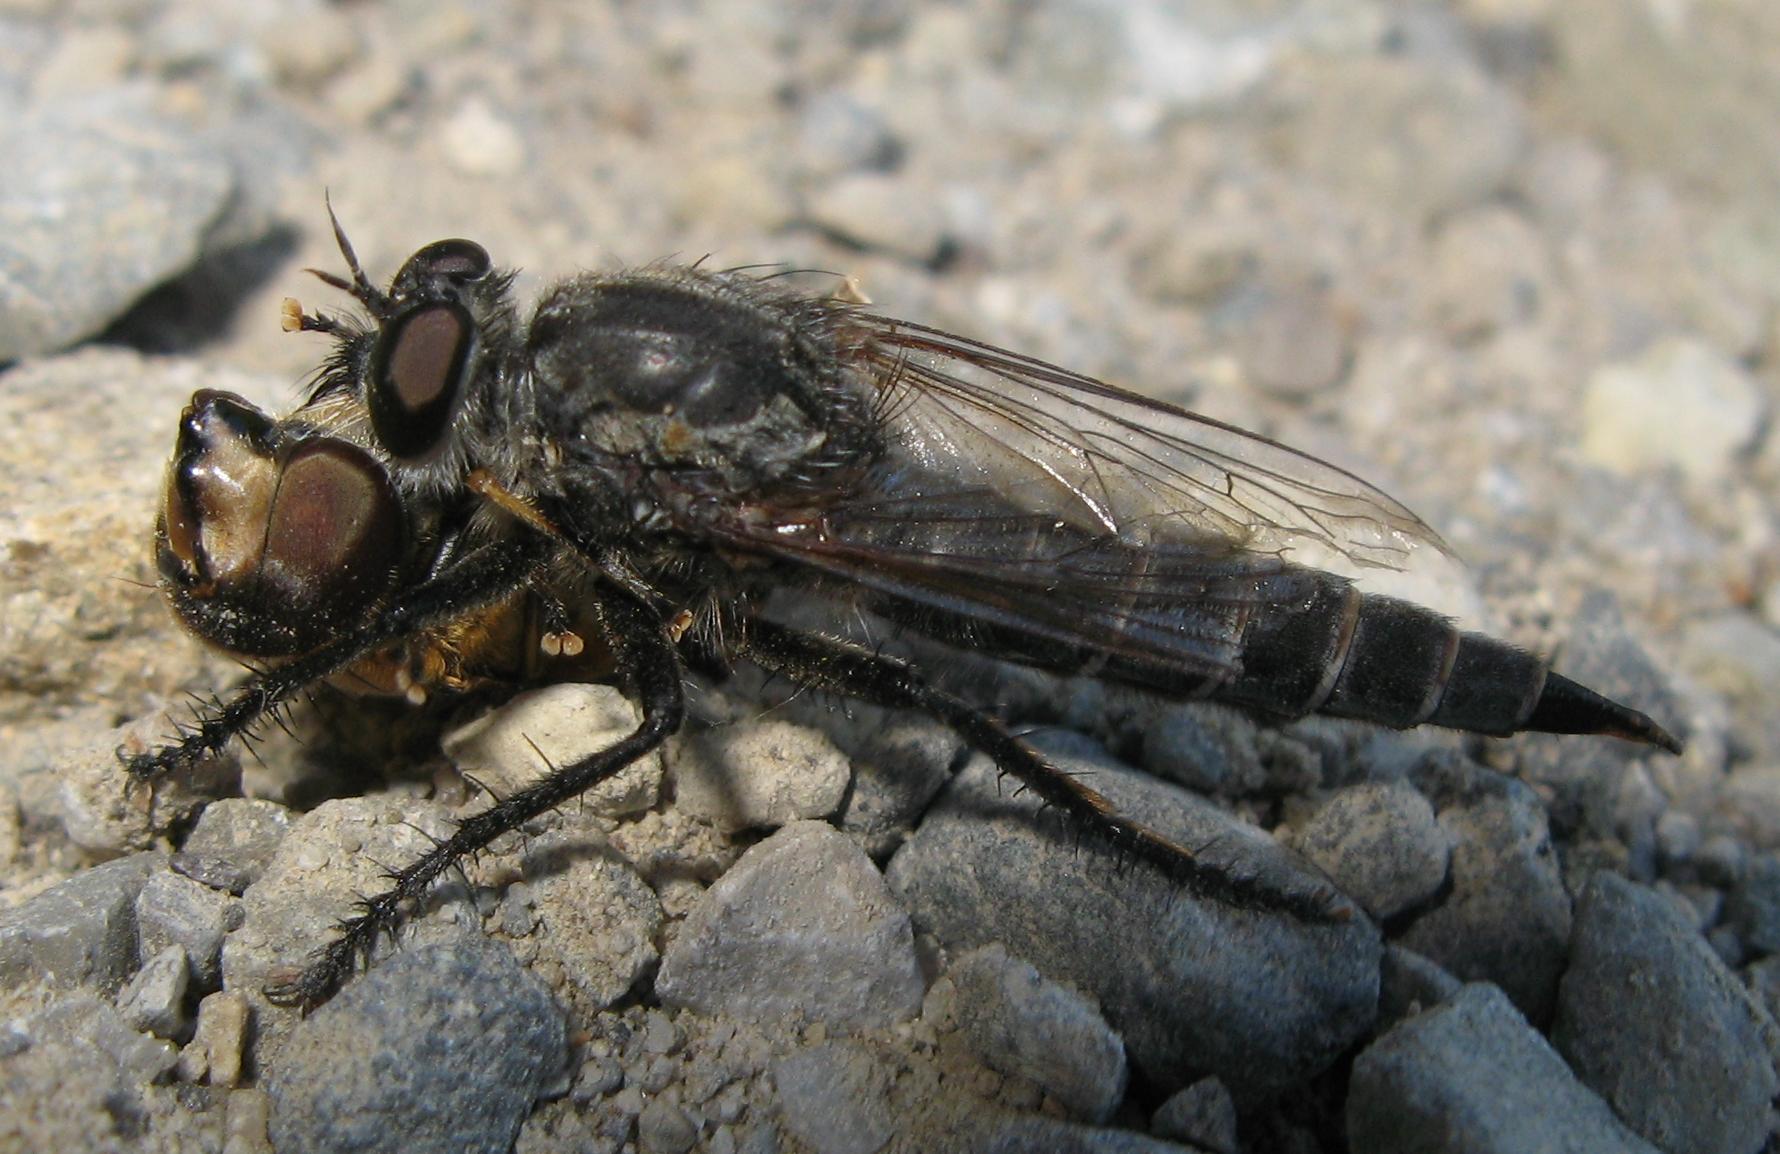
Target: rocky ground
(1515, 260)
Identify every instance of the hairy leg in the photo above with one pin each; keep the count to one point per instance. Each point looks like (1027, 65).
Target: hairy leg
(477, 580)
(647, 657)
(838, 666)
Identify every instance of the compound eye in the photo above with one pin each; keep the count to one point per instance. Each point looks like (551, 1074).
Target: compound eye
(418, 369)
(455, 261)
(333, 536)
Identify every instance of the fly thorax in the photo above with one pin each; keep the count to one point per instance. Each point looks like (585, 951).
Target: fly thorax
(705, 376)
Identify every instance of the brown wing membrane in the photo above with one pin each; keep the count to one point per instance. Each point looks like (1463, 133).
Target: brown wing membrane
(967, 552)
(1018, 495)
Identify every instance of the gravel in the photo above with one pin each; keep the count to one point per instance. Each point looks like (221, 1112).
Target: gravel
(81, 932)
(1191, 985)
(1023, 1024)
(1472, 1075)
(444, 1048)
(1642, 983)
(802, 925)
(1513, 262)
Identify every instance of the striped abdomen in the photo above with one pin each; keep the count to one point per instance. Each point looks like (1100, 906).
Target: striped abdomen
(1378, 659)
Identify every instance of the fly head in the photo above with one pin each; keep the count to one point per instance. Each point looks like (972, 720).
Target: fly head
(272, 539)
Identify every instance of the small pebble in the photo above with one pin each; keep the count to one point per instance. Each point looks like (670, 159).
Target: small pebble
(1641, 982)
(440, 1047)
(479, 141)
(217, 1053)
(1022, 1024)
(516, 745)
(1202, 1115)
(1380, 843)
(153, 1001)
(802, 924)
(759, 775)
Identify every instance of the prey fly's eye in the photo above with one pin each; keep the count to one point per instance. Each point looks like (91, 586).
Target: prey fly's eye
(333, 533)
(418, 370)
(444, 262)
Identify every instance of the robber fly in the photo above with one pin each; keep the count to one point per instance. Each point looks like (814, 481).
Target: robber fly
(650, 455)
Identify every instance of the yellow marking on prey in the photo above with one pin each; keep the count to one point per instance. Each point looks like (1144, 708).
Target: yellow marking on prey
(483, 484)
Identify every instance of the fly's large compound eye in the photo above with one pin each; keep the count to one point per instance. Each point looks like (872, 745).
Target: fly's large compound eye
(418, 369)
(270, 545)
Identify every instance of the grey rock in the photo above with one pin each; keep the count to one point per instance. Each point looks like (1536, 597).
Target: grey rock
(1736, 655)
(1008, 1133)
(217, 1053)
(106, 201)
(332, 856)
(1202, 1114)
(1488, 269)
(1023, 1024)
(852, 1098)
(1409, 984)
(443, 1048)
(1208, 749)
(595, 919)
(762, 774)
(1194, 986)
(836, 1097)
(1506, 918)
(517, 744)
(1723, 859)
(81, 932)
(1641, 982)
(65, 1094)
(877, 211)
(153, 1000)
(133, 1057)
(664, 1128)
(801, 924)
(233, 842)
(1471, 1076)
(899, 765)
(1380, 843)
(1678, 837)
(837, 133)
(174, 910)
(1753, 906)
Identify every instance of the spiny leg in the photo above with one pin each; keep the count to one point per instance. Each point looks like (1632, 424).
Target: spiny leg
(827, 663)
(479, 579)
(647, 657)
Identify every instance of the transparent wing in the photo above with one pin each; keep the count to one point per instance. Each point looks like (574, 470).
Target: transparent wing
(1115, 463)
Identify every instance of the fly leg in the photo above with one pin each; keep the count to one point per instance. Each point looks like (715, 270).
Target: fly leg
(645, 654)
(834, 665)
(477, 580)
